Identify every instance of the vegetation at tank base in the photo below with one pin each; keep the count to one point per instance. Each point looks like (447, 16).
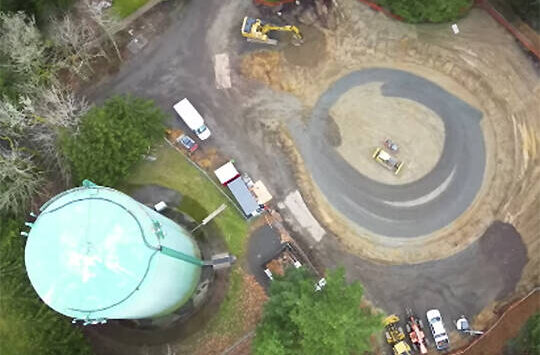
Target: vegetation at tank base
(200, 197)
(299, 320)
(27, 325)
(112, 138)
(418, 11)
(528, 340)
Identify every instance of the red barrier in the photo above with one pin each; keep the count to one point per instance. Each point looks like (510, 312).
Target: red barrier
(272, 3)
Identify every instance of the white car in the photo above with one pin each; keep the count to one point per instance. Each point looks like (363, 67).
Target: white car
(437, 329)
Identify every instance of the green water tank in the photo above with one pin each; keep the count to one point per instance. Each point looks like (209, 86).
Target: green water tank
(96, 253)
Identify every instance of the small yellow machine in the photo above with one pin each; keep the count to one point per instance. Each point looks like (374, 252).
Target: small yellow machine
(395, 336)
(388, 161)
(257, 31)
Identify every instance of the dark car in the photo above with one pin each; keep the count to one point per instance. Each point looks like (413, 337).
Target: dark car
(188, 143)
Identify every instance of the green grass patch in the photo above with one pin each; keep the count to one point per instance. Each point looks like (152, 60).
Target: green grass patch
(124, 8)
(200, 196)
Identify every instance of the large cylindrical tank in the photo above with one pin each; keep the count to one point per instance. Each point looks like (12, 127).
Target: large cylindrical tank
(96, 253)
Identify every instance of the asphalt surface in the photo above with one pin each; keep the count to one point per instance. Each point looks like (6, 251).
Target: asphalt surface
(264, 244)
(179, 63)
(462, 284)
(408, 210)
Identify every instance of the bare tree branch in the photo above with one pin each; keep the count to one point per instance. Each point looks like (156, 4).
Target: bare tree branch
(19, 179)
(106, 20)
(78, 43)
(59, 107)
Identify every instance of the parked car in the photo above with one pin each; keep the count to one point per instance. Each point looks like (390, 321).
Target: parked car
(187, 142)
(192, 118)
(437, 329)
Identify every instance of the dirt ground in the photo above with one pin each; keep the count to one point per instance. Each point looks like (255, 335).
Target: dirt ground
(493, 342)
(362, 126)
(483, 66)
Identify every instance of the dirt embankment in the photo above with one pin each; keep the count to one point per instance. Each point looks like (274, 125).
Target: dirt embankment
(483, 66)
(505, 328)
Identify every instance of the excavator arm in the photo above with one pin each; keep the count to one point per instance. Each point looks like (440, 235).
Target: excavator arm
(288, 28)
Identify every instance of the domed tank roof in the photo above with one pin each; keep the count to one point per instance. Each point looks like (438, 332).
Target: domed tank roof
(91, 248)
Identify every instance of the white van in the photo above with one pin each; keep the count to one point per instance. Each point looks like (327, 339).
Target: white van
(192, 118)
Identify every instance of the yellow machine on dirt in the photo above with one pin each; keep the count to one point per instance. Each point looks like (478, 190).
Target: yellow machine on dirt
(395, 336)
(257, 31)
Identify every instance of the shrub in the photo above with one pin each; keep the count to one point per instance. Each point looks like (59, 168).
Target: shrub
(528, 340)
(417, 11)
(112, 138)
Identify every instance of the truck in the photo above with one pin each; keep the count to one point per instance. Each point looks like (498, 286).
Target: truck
(442, 342)
(230, 177)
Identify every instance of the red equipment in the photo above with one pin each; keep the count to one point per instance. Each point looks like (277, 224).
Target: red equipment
(415, 329)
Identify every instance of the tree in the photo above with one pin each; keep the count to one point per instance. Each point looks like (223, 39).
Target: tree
(77, 44)
(59, 107)
(21, 43)
(299, 320)
(41, 9)
(106, 20)
(112, 138)
(35, 124)
(417, 11)
(528, 340)
(20, 180)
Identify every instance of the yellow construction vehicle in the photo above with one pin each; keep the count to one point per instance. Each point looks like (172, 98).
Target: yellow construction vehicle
(395, 336)
(257, 31)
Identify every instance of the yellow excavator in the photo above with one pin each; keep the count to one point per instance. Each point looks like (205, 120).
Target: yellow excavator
(395, 336)
(256, 30)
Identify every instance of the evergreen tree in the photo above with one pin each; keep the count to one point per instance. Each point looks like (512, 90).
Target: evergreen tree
(297, 319)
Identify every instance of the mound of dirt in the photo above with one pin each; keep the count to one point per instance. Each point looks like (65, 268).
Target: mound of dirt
(264, 66)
